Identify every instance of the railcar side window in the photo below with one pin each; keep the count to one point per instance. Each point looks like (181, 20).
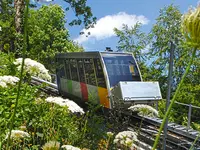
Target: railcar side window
(99, 73)
(89, 72)
(60, 67)
(81, 70)
(74, 71)
(67, 69)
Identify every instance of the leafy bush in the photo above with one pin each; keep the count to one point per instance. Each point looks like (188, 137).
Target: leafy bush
(42, 120)
(6, 64)
(46, 121)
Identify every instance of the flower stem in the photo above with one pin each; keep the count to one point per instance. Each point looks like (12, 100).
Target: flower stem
(140, 126)
(12, 118)
(173, 99)
(191, 148)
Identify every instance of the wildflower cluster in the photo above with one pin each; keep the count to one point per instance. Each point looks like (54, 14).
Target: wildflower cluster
(144, 110)
(54, 145)
(110, 134)
(191, 26)
(8, 80)
(72, 106)
(125, 139)
(70, 147)
(18, 134)
(51, 145)
(34, 68)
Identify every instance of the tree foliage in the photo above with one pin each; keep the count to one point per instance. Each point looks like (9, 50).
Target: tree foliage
(82, 12)
(48, 35)
(7, 33)
(132, 39)
(165, 31)
(11, 20)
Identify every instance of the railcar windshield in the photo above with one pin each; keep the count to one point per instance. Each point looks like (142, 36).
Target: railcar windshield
(121, 67)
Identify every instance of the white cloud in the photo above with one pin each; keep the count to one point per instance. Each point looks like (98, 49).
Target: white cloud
(104, 26)
(40, 1)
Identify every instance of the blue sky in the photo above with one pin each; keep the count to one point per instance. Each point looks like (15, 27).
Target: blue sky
(112, 13)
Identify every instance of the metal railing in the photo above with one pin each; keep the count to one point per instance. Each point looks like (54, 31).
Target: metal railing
(53, 78)
(44, 81)
(190, 107)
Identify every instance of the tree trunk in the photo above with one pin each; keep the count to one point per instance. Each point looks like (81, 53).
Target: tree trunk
(19, 9)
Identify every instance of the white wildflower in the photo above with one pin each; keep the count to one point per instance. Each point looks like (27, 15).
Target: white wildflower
(144, 110)
(51, 145)
(3, 84)
(18, 134)
(72, 106)
(34, 68)
(70, 147)
(23, 128)
(109, 134)
(8, 80)
(125, 138)
(38, 100)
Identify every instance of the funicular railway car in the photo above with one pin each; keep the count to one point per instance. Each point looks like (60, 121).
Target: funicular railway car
(103, 78)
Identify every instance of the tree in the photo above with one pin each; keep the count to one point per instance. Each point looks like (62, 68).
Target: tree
(167, 29)
(81, 10)
(132, 40)
(7, 33)
(47, 34)
(19, 9)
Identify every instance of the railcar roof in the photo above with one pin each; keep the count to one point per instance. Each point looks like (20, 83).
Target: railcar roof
(93, 54)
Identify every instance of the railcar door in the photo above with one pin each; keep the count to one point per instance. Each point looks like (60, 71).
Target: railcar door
(101, 83)
(75, 82)
(83, 85)
(91, 80)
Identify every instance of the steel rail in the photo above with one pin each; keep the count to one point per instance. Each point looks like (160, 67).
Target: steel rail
(50, 88)
(178, 135)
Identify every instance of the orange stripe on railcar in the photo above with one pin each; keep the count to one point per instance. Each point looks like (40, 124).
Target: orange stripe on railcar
(103, 93)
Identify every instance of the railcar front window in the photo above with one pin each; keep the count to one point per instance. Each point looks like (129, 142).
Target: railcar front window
(121, 68)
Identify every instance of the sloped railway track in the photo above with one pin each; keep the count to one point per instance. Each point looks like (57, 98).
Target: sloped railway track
(48, 87)
(178, 138)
